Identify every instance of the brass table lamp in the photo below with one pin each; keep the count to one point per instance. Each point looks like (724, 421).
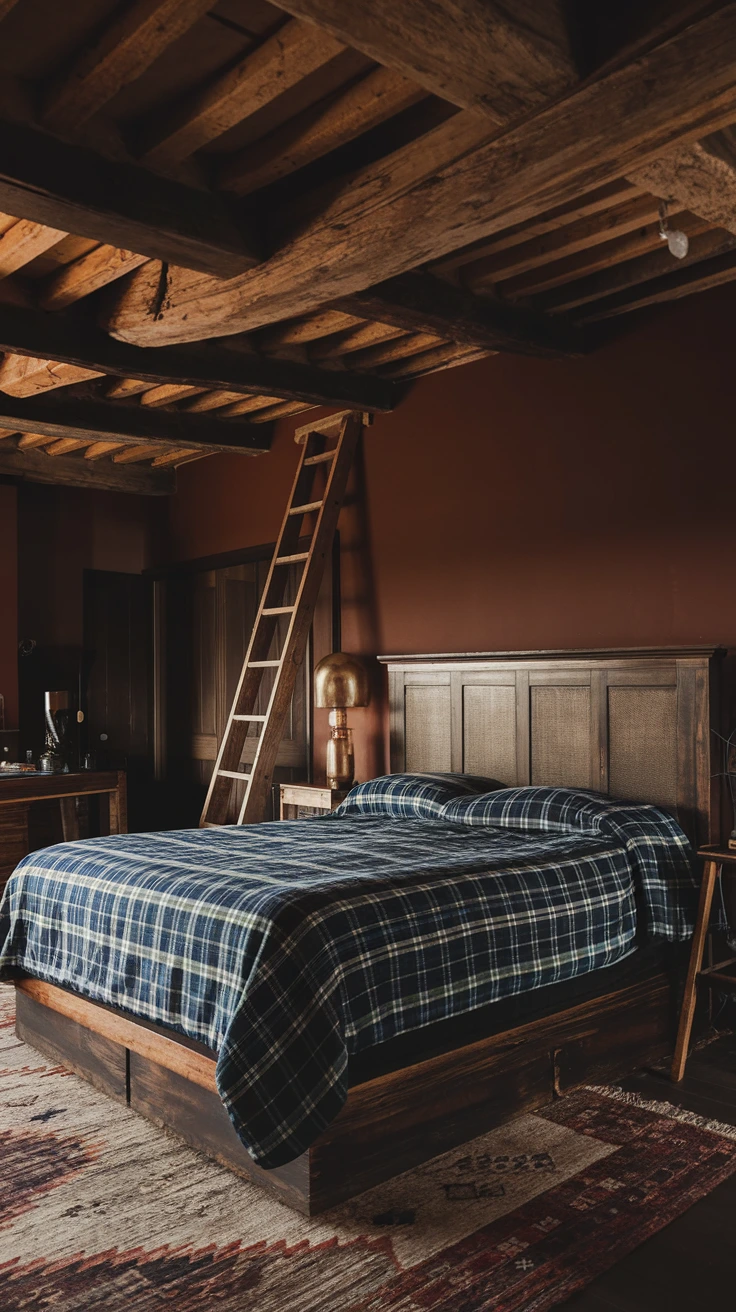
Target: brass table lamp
(340, 681)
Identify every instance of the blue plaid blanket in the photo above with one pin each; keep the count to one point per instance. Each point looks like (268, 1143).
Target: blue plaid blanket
(286, 948)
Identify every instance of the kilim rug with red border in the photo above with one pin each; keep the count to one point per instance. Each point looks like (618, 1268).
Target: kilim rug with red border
(101, 1210)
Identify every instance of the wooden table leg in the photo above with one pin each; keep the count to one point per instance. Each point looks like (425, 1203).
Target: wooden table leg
(711, 872)
(69, 821)
(118, 802)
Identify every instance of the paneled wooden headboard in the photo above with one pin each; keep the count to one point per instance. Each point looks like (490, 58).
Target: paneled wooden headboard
(634, 724)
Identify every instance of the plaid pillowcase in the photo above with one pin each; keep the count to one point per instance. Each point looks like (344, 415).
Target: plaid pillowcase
(412, 795)
(659, 852)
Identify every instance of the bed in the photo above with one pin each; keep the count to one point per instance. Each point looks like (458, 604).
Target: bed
(439, 954)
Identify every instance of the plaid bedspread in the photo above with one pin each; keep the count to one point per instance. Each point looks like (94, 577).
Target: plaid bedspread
(288, 947)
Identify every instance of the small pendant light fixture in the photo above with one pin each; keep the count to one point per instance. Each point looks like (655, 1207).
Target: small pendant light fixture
(677, 241)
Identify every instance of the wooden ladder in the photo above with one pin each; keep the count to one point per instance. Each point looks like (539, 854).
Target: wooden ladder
(334, 462)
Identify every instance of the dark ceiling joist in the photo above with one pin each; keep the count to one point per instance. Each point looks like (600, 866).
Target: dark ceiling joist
(698, 277)
(71, 187)
(55, 415)
(420, 303)
(74, 340)
(456, 185)
(35, 467)
(500, 59)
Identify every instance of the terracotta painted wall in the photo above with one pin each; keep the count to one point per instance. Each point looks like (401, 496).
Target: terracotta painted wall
(9, 603)
(518, 503)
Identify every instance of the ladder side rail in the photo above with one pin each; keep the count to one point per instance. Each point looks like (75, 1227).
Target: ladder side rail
(259, 783)
(249, 683)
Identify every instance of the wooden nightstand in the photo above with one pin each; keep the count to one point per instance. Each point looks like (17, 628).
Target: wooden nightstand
(716, 977)
(299, 801)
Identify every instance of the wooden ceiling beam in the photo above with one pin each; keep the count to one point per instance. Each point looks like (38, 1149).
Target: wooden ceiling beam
(398, 349)
(354, 339)
(99, 449)
(27, 441)
(605, 256)
(581, 235)
(299, 331)
(212, 401)
(282, 61)
(418, 302)
(177, 458)
(249, 406)
(560, 216)
(52, 182)
(86, 275)
(78, 343)
(699, 277)
(36, 467)
(61, 416)
(700, 177)
(169, 393)
(497, 58)
(633, 273)
(132, 455)
(386, 220)
(130, 43)
(280, 411)
(63, 446)
(24, 375)
(432, 361)
(23, 241)
(380, 95)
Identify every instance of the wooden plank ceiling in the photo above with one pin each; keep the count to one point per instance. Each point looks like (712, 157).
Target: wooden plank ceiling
(216, 213)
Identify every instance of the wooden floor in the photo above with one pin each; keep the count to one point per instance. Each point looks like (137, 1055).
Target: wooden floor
(694, 1258)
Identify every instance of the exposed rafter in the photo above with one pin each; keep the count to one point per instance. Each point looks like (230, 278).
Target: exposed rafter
(60, 416)
(52, 182)
(291, 54)
(498, 58)
(36, 467)
(420, 303)
(386, 220)
(76, 342)
(126, 48)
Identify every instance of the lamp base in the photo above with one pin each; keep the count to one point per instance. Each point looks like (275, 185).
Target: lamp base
(340, 763)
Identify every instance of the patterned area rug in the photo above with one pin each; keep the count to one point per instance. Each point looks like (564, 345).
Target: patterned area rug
(101, 1210)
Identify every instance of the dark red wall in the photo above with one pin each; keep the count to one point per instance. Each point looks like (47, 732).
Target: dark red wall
(520, 503)
(9, 603)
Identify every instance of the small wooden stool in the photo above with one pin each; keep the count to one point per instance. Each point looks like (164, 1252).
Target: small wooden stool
(715, 858)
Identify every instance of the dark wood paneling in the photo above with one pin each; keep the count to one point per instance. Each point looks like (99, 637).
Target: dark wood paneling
(118, 638)
(634, 723)
(13, 840)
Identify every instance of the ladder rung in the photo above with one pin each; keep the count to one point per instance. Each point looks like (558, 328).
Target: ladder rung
(263, 665)
(259, 718)
(291, 560)
(277, 610)
(233, 774)
(303, 510)
(317, 460)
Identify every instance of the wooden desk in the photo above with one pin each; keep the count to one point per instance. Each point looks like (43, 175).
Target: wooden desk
(19, 791)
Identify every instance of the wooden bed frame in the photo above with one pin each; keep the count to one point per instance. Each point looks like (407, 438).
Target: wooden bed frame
(635, 723)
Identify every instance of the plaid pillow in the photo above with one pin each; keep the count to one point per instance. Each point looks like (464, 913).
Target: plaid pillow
(660, 854)
(411, 795)
(545, 810)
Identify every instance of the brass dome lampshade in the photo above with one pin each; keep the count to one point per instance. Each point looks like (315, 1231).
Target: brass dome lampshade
(340, 681)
